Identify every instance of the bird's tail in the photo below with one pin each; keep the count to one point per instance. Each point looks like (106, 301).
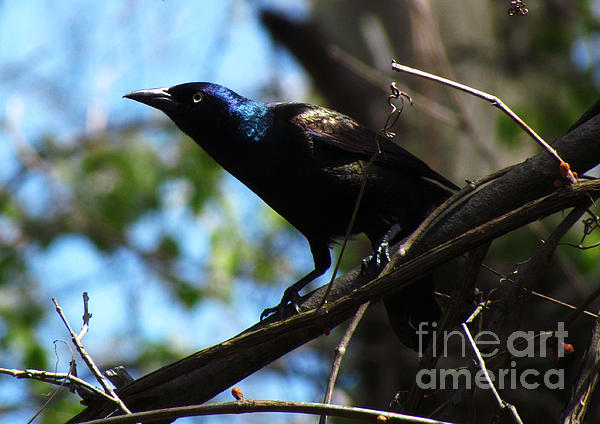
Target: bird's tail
(411, 312)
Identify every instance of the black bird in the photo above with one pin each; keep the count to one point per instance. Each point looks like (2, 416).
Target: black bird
(307, 162)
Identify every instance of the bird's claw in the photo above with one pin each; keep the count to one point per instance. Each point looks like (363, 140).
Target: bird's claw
(289, 297)
(375, 262)
(269, 311)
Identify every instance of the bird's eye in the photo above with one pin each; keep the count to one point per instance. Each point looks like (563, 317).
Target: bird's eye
(197, 97)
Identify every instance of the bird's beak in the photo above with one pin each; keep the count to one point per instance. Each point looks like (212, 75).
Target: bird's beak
(158, 98)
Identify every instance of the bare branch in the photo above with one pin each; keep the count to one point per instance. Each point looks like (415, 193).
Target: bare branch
(89, 361)
(56, 378)
(502, 403)
(247, 406)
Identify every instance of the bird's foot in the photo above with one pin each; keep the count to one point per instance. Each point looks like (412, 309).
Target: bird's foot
(289, 297)
(374, 263)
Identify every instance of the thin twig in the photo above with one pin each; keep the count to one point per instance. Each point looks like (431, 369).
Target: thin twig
(565, 304)
(494, 101)
(591, 298)
(361, 192)
(580, 247)
(502, 403)
(340, 351)
(89, 361)
(390, 122)
(56, 378)
(250, 405)
(50, 398)
(476, 312)
(540, 295)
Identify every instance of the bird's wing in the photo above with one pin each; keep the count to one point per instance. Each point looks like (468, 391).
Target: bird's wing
(340, 132)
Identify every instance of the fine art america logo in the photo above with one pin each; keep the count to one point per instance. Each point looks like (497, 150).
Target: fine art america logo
(520, 344)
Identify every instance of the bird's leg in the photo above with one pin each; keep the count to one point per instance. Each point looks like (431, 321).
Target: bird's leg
(290, 295)
(381, 255)
(322, 260)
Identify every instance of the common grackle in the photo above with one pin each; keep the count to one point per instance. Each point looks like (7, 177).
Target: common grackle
(307, 162)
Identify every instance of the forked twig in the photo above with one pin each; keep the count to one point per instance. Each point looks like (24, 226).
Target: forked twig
(56, 378)
(88, 359)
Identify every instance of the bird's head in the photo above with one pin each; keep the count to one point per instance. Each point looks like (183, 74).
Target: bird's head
(203, 110)
(199, 109)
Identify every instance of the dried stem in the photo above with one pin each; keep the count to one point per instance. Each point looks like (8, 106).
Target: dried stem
(340, 351)
(56, 378)
(502, 403)
(248, 405)
(361, 193)
(89, 361)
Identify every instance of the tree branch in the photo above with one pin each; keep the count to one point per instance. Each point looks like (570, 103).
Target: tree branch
(250, 405)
